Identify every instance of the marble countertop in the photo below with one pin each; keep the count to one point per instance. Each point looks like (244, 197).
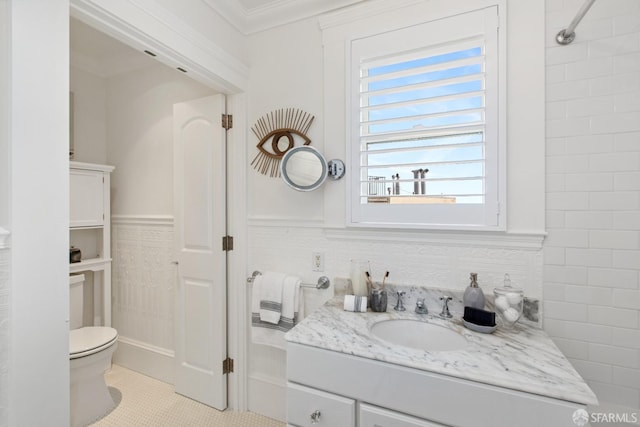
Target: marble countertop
(523, 358)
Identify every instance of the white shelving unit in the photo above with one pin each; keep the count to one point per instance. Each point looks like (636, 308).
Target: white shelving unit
(90, 230)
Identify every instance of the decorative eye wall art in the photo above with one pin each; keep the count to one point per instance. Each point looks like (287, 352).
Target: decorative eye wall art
(278, 132)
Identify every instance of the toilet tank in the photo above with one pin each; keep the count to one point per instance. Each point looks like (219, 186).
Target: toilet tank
(76, 301)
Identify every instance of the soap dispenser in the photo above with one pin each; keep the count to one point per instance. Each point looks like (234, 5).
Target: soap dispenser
(473, 295)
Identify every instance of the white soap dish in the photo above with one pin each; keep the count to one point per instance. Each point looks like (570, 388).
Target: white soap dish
(479, 328)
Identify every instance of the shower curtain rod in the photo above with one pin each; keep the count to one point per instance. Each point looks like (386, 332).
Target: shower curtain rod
(567, 35)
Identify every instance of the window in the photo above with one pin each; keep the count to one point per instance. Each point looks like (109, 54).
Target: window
(425, 141)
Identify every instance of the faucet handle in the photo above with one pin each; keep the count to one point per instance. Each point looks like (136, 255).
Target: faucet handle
(421, 307)
(399, 305)
(445, 307)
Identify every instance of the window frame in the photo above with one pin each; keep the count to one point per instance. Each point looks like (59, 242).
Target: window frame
(490, 215)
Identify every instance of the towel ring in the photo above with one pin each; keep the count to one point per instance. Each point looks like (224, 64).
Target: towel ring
(323, 281)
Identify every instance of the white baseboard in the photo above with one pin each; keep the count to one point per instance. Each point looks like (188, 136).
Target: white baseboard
(146, 359)
(267, 396)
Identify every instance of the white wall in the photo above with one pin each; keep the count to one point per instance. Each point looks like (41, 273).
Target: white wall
(592, 252)
(38, 368)
(286, 71)
(296, 66)
(90, 116)
(140, 137)
(5, 287)
(5, 87)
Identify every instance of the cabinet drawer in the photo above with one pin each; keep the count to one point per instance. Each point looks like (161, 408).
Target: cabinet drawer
(373, 416)
(331, 410)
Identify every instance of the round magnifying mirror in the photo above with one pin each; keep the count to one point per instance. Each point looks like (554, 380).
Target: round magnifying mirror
(303, 168)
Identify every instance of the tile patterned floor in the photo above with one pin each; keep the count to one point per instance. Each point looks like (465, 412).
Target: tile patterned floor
(144, 401)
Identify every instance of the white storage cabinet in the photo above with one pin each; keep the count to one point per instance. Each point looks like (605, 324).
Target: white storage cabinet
(90, 230)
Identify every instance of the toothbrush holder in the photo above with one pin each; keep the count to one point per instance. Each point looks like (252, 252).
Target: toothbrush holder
(378, 300)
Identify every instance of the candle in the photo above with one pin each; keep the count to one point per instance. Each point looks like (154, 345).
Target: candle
(358, 279)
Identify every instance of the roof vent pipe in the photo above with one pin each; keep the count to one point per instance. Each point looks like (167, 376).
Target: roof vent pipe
(423, 182)
(416, 186)
(396, 186)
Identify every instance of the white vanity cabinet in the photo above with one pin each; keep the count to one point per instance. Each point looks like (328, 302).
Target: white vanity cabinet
(389, 395)
(90, 230)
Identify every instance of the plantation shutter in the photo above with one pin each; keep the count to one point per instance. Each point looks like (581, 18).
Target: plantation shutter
(424, 100)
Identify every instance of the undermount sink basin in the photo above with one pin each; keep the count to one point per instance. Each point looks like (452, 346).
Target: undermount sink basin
(418, 335)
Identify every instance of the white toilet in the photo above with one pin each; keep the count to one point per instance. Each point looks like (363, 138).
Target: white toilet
(90, 351)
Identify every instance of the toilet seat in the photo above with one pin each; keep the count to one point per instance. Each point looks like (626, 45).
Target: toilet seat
(90, 340)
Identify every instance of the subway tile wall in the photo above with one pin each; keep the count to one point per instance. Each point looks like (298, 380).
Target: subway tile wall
(592, 253)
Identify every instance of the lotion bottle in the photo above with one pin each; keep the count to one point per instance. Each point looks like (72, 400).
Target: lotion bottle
(473, 295)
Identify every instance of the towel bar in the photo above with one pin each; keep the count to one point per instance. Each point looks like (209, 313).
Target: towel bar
(323, 281)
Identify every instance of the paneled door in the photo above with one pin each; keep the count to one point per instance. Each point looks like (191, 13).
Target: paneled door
(200, 223)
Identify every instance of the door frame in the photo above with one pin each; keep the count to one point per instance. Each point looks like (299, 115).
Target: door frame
(138, 28)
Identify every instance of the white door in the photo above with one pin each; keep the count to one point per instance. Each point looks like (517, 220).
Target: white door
(200, 223)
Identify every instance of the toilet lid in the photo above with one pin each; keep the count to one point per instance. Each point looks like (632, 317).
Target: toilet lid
(89, 340)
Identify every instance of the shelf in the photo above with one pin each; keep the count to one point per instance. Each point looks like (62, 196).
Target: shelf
(92, 264)
(91, 166)
(86, 227)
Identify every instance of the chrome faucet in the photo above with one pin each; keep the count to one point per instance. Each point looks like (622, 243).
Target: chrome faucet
(399, 306)
(445, 307)
(421, 307)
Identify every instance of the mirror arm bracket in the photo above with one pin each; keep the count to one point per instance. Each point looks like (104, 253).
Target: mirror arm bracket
(336, 169)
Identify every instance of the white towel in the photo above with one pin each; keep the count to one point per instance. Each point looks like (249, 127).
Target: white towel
(266, 333)
(290, 300)
(269, 287)
(355, 303)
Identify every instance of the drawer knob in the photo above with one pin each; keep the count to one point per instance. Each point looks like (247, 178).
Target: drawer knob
(315, 417)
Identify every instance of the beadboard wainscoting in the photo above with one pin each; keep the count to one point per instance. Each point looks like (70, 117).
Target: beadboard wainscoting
(436, 260)
(4, 325)
(143, 286)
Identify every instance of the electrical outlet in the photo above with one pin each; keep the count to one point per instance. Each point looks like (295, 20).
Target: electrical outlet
(317, 261)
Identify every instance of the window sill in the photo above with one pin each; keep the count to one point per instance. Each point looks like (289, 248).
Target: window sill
(490, 239)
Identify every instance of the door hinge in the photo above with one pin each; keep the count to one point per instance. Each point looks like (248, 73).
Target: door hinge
(227, 121)
(227, 243)
(227, 365)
